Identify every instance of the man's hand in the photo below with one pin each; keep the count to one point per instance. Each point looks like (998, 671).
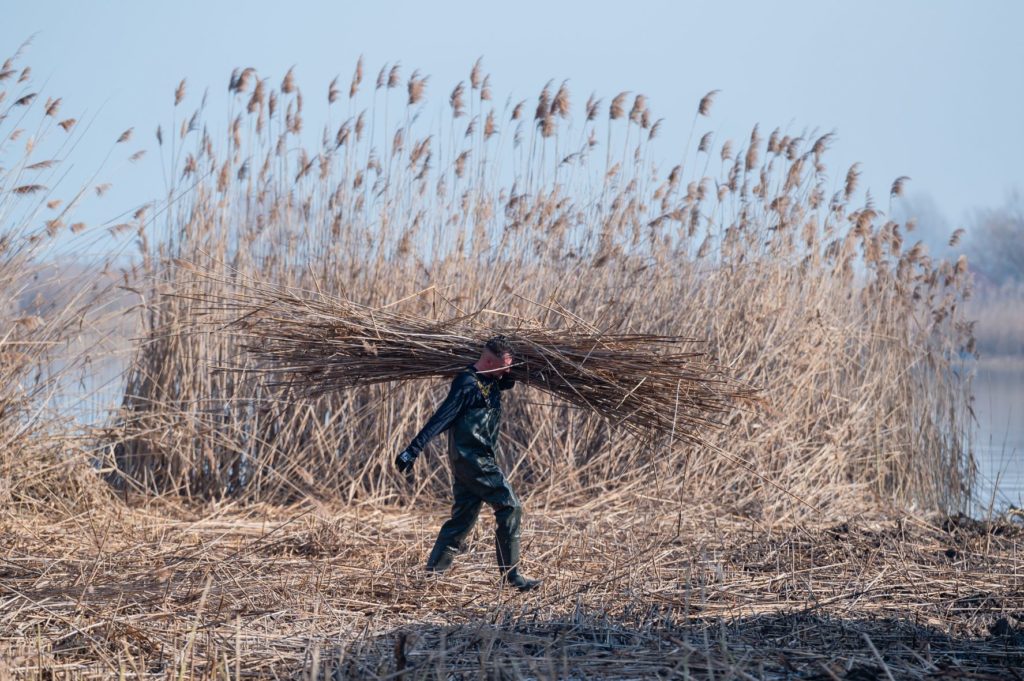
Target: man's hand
(404, 461)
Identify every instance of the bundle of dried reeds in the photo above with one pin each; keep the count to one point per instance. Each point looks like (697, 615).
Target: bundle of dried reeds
(313, 344)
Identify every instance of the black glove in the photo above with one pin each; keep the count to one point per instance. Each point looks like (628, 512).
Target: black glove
(404, 461)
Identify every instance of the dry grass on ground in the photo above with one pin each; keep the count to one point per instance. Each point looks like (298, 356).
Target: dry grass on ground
(631, 591)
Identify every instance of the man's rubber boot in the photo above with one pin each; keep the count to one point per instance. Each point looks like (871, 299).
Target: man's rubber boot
(441, 558)
(515, 580)
(507, 549)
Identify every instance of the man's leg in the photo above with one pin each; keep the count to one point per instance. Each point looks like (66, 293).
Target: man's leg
(508, 513)
(465, 509)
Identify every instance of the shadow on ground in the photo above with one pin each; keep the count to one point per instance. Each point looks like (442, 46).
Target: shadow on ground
(793, 646)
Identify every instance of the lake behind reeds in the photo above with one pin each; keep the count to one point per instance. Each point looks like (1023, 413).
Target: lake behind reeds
(999, 433)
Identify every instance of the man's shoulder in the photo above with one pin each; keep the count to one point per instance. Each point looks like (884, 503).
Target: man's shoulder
(466, 377)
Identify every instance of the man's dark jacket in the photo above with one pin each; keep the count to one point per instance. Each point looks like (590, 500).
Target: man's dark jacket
(471, 413)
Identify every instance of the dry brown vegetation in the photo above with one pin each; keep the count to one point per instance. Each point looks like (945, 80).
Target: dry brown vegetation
(793, 286)
(639, 590)
(310, 344)
(51, 321)
(212, 526)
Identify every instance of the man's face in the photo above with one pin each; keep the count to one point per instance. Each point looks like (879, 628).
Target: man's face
(505, 362)
(498, 366)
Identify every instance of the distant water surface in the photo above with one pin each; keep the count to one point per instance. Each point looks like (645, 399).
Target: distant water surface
(999, 433)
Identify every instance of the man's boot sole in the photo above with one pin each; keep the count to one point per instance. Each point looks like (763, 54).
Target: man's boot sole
(530, 586)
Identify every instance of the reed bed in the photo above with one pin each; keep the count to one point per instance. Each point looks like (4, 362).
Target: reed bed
(639, 589)
(55, 312)
(794, 281)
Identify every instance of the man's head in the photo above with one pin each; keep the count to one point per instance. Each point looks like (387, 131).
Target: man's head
(497, 357)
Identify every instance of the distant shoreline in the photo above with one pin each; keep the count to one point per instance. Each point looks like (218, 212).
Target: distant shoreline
(1002, 363)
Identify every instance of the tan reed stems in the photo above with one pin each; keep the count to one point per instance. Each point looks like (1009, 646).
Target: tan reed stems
(311, 345)
(854, 337)
(55, 303)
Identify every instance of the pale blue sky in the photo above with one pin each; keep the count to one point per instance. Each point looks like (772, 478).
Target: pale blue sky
(929, 89)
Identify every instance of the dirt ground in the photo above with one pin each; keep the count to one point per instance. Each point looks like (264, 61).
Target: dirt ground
(631, 591)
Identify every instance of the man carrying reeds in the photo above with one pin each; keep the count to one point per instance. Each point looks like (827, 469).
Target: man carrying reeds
(471, 414)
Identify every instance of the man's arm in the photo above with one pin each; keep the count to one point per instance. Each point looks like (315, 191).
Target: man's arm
(442, 418)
